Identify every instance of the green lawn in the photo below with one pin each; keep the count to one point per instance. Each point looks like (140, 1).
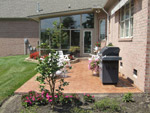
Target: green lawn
(14, 72)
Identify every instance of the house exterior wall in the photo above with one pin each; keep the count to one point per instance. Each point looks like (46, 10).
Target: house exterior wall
(147, 75)
(133, 50)
(12, 34)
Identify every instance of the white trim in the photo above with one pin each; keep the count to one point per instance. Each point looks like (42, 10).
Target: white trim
(83, 40)
(118, 6)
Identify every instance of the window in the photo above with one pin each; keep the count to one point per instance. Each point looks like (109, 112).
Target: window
(126, 20)
(70, 34)
(135, 73)
(88, 20)
(71, 22)
(75, 38)
(102, 29)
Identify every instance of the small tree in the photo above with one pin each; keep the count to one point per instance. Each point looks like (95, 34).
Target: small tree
(47, 68)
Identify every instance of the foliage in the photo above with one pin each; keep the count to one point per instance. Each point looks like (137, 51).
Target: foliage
(107, 104)
(44, 46)
(14, 73)
(74, 49)
(94, 65)
(34, 55)
(88, 98)
(56, 35)
(98, 44)
(62, 84)
(79, 110)
(110, 44)
(33, 98)
(47, 68)
(69, 99)
(127, 97)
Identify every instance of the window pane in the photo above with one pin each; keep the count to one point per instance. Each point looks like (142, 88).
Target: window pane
(127, 14)
(102, 29)
(132, 11)
(44, 38)
(75, 38)
(127, 27)
(122, 29)
(88, 20)
(71, 22)
(65, 40)
(87, 41)
(127, 24)
(48, 23)
(122, 13)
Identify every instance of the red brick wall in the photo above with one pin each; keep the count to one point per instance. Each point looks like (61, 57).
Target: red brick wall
(133, 52)
(12, 34)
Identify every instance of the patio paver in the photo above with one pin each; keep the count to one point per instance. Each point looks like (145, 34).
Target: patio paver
(81, 80)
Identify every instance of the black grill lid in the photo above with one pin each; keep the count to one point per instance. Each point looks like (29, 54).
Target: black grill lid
(110, 51)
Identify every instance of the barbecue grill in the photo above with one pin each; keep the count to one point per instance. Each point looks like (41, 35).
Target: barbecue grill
(108, 67)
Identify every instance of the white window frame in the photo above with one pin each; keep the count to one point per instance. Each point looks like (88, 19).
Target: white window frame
(128, 19)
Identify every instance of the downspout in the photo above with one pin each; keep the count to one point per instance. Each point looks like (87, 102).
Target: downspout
(107, 25)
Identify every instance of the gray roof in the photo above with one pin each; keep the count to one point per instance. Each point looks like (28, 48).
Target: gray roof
(25, 8)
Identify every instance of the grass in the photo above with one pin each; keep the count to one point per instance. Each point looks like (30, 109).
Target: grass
(14, 72)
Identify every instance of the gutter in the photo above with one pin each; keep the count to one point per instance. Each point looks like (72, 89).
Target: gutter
(107, 25)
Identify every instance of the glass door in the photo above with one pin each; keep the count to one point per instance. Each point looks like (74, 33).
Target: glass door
(87, 41)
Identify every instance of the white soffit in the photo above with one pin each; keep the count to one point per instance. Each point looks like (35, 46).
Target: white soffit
(118, 6)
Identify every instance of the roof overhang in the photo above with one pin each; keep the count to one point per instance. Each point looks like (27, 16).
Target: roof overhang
(62, 13)
(118, 6)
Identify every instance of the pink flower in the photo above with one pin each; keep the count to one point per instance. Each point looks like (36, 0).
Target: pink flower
(27, 97)
(88, 95)
(50, 100)
(43, 92)
(84, 93)
(71, 96)
(92, 96)
(47, 95)
(55, 96)
(33, 98)
(66, 96)
(50, 96)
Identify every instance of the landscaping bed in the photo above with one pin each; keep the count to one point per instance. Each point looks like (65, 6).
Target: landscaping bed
(140, 104)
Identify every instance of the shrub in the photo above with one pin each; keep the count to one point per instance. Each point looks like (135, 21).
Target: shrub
(127, 97)
(69, 99)
(33, 98)
(88, 98)
(107, 105)
(34, 55)
(110, 44)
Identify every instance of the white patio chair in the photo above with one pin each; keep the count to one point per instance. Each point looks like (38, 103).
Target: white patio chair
(63, 58)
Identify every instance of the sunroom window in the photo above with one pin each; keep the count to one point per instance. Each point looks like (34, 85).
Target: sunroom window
(126, 20)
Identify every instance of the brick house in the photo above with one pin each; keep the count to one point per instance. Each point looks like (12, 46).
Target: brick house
(124, 23)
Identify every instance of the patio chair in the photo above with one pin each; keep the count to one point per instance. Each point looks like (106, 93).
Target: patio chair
(63, 58)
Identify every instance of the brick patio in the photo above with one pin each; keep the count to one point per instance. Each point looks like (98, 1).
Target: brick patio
(81, 80)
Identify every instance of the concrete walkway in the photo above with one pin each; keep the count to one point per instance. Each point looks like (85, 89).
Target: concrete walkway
(81, 80)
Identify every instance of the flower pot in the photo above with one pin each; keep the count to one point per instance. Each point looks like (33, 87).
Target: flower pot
(95, 73)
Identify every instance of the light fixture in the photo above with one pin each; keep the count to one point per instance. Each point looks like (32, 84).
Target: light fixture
(97, 10)
(69, 6)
